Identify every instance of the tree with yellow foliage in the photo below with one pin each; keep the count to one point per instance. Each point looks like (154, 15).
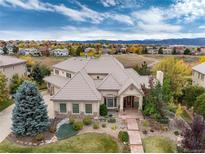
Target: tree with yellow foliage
(176, 71)
(202, 59)
(4, 92)
(28, 59)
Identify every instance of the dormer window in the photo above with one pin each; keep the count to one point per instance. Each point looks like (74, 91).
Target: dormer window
(57, 72)
(68, 75)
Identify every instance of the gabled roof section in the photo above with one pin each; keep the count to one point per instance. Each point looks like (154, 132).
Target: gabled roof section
(200, 68)
(9, 60)
(138, 79)
(80, 87)
(109, 83)
(127, 84)
(74, 64)
(56, 80)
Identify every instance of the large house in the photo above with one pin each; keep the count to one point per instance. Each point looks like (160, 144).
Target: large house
(11, 65)
(198, 74)
(79, 85)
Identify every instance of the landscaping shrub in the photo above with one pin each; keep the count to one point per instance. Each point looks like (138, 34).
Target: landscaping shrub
(123, 136)
(114, 127)
(52, 130)
(71, 120)
(104, 125)
(103, 110)
(199, 106)
(163, 120)
(87, 120)
(40, 137)
(112, 120)
(176, 133)
(96, 125)
(78, 125)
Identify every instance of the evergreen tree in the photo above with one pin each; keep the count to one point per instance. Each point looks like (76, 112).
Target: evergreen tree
(29, 115)
(187, 52)
(4, 93)
(37, 74)
(160, 50)
(79, 50)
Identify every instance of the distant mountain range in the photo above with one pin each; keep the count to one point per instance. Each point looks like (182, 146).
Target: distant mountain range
(181, 41)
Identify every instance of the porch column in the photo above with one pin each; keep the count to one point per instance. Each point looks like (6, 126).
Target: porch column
(121, 103)
(140, 102)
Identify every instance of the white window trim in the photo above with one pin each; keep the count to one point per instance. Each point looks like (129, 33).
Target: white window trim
(78, 107)
(85, 110)
(60, 108)
(113, 102)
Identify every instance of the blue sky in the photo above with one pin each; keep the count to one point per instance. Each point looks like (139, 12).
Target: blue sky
(101, 19)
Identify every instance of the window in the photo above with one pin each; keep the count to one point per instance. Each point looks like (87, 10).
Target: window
(75, 108)
(111, 102)
(56, 71)
(88, 108)
(63, 108)
(68, 75)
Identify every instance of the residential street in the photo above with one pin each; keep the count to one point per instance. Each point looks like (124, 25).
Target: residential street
(5, 117)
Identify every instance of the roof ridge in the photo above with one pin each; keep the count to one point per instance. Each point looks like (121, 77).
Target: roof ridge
(65, 85)
(88, 83)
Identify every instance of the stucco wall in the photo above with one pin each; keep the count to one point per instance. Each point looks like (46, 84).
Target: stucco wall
(95, 107)
(9, 71)
(198, 79)
(62, 72)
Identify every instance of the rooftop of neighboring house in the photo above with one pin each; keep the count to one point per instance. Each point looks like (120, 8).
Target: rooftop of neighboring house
(200, 68)
(8, 60)
(116, 78)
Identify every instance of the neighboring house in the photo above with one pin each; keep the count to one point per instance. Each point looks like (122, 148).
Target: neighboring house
(86, 50)
(152, 50)
(30, 51)
(198, 75)
(167, 51)
(11, 65)
(1, 51)
(79, 85)
(60, 52)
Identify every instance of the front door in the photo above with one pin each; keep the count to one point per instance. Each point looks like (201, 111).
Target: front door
(129, 101)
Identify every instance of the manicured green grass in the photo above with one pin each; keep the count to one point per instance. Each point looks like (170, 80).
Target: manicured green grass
(5, 104)
(85, 143)
(158, 144)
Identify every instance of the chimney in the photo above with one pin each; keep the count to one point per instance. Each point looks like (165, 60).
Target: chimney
(160, 77)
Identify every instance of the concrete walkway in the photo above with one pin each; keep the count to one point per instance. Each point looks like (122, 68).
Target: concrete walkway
(5, 122)
(134, 136)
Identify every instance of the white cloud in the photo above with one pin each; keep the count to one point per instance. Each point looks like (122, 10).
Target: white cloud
(121, 18)
(202, 27)
(108, 3)
(29, 4)
(154, 20)
(187, 10)
(91, 33)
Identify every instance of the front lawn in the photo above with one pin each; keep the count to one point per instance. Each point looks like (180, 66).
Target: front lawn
(85, 143)
(158, 144)
(5, 104)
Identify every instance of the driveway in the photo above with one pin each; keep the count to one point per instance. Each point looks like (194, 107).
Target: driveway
(5, 116)
(5, 122)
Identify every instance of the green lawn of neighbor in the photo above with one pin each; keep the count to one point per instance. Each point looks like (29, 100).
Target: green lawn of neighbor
(85, 143)
(5, 104)
(158, 144)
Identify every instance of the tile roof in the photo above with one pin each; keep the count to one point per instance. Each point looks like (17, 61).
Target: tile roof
(56, 80)
(9, 60)
(79, 87)
(200, 68)
(109, 83)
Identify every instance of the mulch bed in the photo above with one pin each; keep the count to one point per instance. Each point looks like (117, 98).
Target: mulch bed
(31, 140)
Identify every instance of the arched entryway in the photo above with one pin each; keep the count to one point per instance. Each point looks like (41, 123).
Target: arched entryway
(130, 102)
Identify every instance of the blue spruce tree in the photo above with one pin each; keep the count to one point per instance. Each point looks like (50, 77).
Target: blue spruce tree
(30, 115)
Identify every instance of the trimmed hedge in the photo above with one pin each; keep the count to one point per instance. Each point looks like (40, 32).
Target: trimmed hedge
(123, 136)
